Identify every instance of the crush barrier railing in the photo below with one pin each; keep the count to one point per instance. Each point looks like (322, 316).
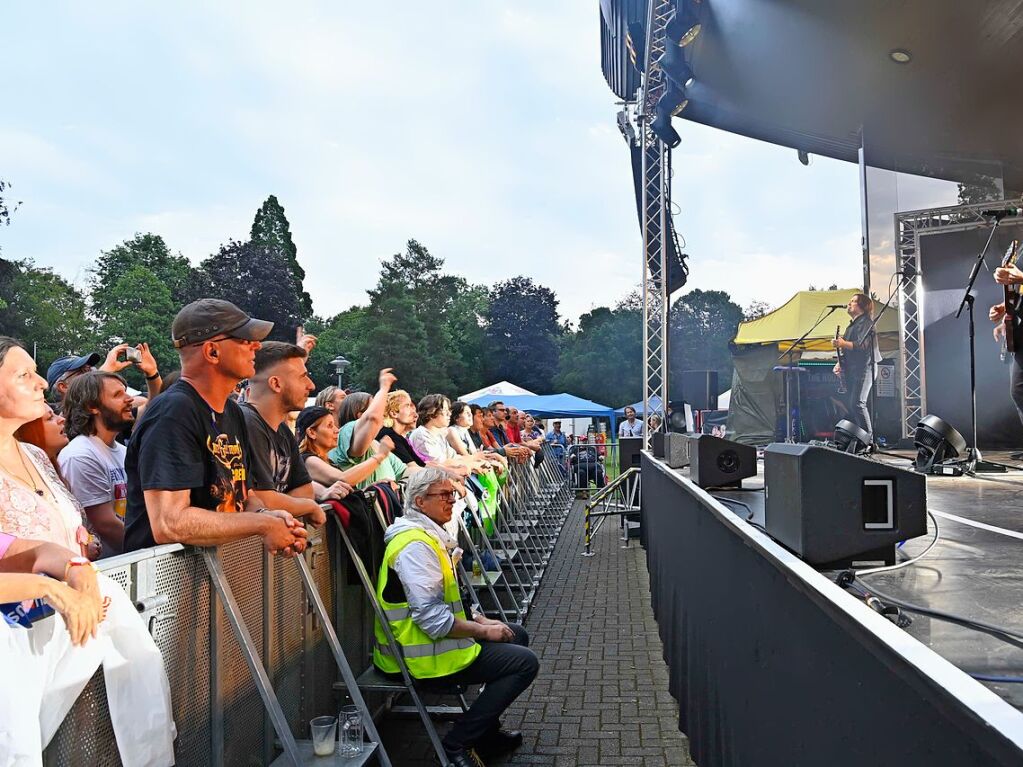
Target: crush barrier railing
(218, 708)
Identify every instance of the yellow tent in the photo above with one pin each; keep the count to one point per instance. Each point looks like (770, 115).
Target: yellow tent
(787, 323)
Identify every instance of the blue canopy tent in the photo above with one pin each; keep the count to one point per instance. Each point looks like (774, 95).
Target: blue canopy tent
(655, 405)
(551, 405)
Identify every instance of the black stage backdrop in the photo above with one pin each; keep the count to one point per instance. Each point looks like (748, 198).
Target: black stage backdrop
(945, 263)
(770, 672)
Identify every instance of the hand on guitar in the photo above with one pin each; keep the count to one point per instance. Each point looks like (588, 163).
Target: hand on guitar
(999, 332)
(996, 313)
(1008, 275)
(837, 370)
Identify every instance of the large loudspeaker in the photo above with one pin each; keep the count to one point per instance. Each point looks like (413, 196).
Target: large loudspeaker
(832, 508)
(676, 450)
(629, 449)
(700, 389)
(716, 462)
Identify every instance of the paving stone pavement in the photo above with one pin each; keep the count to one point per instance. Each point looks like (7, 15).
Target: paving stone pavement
(601, 697)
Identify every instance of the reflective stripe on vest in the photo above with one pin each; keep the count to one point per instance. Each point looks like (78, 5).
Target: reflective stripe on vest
(426, 658)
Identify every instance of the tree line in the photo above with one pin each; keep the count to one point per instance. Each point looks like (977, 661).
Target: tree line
(439, 331)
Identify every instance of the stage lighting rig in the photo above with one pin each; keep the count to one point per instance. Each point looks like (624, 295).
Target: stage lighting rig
(940, 449)
(675, 67)
(850, 438)
(673, 100)
(625, 126)
(684, 25)
(661, 126)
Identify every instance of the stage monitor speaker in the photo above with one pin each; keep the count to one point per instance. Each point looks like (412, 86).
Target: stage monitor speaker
(700, 389)
(657, 444)
(676, 450)
(716, 462)
(628, 452)
(832, 508)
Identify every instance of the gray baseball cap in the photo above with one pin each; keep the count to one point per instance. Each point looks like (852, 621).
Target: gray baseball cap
(209, 317)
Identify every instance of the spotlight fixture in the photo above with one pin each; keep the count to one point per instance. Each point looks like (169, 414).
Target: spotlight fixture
(625, 126)
(850, 438)
(900, 56)
(673, 100)
(661, 126)
(684, 26)
(936, 442)
(804, 156)
(675, 67)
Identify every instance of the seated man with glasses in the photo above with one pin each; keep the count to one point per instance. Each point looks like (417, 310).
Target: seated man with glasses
(419, 593)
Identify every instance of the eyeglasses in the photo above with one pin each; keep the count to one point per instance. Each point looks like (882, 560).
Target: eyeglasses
(450, 495)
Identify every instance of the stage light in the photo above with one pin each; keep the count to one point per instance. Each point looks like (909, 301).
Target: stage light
(804, 156)
(673, 100)
(675, 67)
(936, 442)
(661, 126)
(850, 438)
(900, 56)
(684, 25)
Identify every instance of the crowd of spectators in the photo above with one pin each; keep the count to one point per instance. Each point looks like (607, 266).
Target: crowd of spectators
(95, 469)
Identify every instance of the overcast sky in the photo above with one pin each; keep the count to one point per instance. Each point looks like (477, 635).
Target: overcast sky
(484, 130)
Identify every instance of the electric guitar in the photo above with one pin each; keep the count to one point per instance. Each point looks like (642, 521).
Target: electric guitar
(841, 362)
(1012, 306)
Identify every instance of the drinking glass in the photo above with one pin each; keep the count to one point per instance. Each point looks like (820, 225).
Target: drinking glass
(350, 720)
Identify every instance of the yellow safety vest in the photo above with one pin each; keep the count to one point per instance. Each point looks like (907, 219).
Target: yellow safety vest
(426, 657)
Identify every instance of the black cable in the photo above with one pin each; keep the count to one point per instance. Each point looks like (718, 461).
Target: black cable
(847, 578)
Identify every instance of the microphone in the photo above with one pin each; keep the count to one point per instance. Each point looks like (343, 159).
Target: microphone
(999, 213)
(835, 306)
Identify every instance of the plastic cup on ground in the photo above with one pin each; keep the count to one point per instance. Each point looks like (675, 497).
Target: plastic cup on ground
(324, 732)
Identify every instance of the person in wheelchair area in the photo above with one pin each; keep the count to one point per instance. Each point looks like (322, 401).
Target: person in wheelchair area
(586, 466)
(419, 592)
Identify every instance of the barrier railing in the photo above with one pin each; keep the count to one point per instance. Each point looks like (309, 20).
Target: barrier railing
(617, 498)
(218, 708)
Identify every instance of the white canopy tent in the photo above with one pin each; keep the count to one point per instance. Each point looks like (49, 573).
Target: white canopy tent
(499, 389)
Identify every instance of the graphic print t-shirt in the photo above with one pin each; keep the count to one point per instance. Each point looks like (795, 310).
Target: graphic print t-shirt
(181, 443)
(274, 457)
(95, 473)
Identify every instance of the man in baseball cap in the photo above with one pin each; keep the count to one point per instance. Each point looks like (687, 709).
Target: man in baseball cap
(65, 368)
(207, 318)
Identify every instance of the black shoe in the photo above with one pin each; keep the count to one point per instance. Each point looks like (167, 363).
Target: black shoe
(499, 741)
(465, 757)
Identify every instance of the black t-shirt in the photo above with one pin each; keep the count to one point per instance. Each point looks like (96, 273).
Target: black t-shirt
(274, 457)
(402, 449)
(862, 335)
(180, 443)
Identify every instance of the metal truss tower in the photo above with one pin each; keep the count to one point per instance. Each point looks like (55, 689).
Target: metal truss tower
(656, 222)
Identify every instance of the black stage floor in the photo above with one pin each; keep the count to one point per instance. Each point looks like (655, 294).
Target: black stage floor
(975, 570)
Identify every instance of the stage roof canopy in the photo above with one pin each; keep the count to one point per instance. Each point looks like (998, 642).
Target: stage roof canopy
(818, 75)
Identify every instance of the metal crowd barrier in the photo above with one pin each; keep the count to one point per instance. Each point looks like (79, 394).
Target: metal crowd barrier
(218, 709)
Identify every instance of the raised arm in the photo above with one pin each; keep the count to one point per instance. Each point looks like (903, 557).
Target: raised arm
(369, 423)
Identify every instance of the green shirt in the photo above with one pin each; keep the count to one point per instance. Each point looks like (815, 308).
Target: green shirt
(391, 469)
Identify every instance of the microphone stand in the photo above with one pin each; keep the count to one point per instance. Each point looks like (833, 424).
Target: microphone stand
(975, 463)
(788, 408)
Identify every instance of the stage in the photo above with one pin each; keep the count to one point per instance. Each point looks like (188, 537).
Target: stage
(748, 628)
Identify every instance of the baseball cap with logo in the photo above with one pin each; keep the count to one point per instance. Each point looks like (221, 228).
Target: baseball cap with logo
(210, 317)
(69, 364)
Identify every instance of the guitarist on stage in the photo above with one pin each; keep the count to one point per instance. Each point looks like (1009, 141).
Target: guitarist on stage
(861, 355)
(1011, 275)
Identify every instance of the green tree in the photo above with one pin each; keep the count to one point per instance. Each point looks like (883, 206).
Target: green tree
(258, 280)
(141, 308)
(136, 289)
(603, 359)
(272, 232)
(701, 324)
(47, 313)
(342, 335)
(523, 333)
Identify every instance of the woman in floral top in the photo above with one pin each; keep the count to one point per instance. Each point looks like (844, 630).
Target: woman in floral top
(34, 503)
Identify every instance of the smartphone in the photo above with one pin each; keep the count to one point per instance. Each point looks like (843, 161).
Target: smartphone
(132, 355)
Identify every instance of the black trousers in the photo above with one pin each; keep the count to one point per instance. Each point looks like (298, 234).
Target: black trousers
(507, 669)
(858, 384)
(1016, 382)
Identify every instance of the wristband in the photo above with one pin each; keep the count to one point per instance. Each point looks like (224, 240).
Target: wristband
(78, 562)
(154, 376)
